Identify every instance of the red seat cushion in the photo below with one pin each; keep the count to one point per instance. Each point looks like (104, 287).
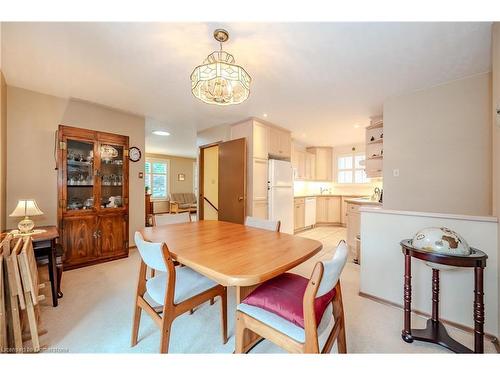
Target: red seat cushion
(284, 296)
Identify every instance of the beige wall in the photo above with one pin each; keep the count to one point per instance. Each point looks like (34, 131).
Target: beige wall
(32, 119)
(495, 65)
(3, 150)
(440, 140)
(178, 165)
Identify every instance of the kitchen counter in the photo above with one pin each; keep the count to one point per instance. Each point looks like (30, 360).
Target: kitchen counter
(364, 202)
(329, 195)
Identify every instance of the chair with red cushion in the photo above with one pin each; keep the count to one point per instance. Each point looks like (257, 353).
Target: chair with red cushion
(294, 312)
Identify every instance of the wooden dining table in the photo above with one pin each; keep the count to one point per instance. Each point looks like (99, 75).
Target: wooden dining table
(233, 254)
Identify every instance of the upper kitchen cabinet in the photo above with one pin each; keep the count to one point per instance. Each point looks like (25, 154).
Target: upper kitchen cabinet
(280, 143)
(303, 163)
(323, 162)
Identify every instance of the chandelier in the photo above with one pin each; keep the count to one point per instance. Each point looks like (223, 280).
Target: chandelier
(219, 80)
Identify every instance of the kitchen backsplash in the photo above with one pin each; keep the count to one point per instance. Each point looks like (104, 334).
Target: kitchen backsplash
(314, 188)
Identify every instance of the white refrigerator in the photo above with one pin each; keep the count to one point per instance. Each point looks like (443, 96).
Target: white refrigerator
(280, 194)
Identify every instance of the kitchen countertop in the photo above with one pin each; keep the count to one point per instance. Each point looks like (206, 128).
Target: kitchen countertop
(328, 195)
(364, 202)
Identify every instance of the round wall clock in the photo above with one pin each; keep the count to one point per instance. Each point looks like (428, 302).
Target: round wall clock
(134, 154)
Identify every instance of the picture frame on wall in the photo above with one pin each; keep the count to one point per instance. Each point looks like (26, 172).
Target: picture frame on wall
(181, 177)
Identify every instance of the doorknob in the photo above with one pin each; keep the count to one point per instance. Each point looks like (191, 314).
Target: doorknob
(240, 199)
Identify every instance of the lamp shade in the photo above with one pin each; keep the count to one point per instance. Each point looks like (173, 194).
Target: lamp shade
(26, 207)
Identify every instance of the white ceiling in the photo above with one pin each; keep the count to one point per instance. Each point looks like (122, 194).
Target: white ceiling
(317, 79)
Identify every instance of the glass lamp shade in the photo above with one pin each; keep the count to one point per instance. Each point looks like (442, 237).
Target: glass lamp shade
(26, 208)
(220, 81)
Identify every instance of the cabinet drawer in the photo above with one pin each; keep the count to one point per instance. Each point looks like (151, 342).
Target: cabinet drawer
(352, 207)
(299, 201)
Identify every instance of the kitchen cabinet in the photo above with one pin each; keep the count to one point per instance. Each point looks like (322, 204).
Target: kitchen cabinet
(328, 210)
(280, 142)
(299, 214)
(260, 141)
(353, 224)
(343, 210)
(323, 162)
(260, 179)
(310, 166)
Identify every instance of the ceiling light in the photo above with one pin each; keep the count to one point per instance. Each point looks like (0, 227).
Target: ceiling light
(265, 115)
(161, 132)
(219, 80)
(356, 126)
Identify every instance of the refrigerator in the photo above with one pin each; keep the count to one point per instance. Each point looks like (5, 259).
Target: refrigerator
(280, 194)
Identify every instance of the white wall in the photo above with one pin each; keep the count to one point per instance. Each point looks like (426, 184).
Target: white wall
(32, 119)
(382, 265)
(440, 140)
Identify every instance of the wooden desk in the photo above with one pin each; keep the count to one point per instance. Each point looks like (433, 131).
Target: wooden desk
(44, 244)
(233, 254)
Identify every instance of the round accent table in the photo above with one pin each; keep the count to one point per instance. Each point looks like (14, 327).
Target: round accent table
(435, 332)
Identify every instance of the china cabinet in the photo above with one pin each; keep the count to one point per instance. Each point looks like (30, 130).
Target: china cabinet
(92, 195)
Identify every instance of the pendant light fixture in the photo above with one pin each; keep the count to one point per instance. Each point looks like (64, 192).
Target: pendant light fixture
(219, 80)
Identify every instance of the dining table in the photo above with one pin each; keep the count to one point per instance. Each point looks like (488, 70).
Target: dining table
(233, 254)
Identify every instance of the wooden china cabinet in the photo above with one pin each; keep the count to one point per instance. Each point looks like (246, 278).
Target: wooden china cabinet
(93, 201)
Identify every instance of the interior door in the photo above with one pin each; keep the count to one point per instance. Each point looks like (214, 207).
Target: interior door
(232, 180)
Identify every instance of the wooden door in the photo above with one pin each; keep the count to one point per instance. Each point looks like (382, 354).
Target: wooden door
(79, 240)
(274, 142)
(232, 181)
(112, 235)
(299, 215)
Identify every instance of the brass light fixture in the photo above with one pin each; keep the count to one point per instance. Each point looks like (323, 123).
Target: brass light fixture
(219, 80)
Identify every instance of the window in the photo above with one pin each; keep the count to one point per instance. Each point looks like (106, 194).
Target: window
(351, 169)
(157, 178)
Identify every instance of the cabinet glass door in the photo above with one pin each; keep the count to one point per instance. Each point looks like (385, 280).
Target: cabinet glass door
(79, 175)
(112, 175)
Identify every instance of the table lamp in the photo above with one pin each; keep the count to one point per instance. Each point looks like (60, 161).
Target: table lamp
(26, 208)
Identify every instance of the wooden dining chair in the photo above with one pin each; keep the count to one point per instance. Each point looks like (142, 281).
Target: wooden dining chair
(292, 312)
(178, 289)
(255, 222)
(15, 296)
(31, 288)
(3, 312)
(164, 219)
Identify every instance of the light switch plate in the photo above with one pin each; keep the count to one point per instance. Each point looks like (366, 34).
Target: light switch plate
(395, 172)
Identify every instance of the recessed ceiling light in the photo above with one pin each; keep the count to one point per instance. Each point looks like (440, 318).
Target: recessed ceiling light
(357, 126)
(161, 132)
(265, 115)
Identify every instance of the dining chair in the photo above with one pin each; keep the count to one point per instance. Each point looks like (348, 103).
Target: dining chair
(31, 287)
(293, 312)
(178, 289)
(255, 222)
(164, 219)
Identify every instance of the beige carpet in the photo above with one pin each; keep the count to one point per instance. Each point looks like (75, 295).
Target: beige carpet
(95, 315)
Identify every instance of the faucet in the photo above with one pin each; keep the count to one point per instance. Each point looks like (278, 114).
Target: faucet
(376, 194)
(323, 189)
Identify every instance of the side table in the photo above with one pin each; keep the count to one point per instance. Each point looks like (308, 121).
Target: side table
(435, 332)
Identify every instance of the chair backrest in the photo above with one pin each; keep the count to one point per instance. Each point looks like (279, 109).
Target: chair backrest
(254, 222)
(164, 219)
(14, 275)
(151, 253)
(183, 198)
(332, 269)
(160, 207)
(29, 270)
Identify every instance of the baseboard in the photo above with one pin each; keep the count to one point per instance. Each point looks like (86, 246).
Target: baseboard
(463, 327)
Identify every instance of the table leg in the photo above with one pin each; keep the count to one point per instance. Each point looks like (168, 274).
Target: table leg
(435, 295)
(251, 338)
(53, 273)
(406, 334)
(478, 310)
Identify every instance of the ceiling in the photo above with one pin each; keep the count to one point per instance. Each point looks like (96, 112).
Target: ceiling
(320, 80)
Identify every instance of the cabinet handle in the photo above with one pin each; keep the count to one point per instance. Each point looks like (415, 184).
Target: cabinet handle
(94, 234)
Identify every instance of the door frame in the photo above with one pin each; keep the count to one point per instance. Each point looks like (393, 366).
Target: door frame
(201, 160)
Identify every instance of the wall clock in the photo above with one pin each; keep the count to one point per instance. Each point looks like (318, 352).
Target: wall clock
(134, 154)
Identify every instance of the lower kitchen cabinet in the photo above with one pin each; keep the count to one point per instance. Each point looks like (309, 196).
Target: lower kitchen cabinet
(328, 210)
(353, 224)
(299, 214)
(260, 209)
